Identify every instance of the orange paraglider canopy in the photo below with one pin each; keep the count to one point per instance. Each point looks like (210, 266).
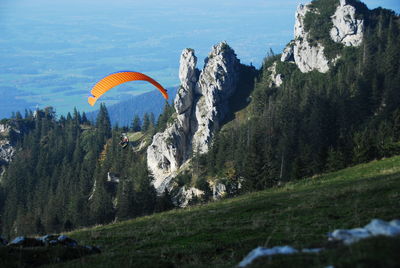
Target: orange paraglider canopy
(118, 78)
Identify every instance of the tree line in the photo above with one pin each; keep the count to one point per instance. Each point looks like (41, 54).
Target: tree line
(70, 173)
(315, 122)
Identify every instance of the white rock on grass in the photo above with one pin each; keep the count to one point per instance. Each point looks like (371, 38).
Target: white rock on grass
(374, 228)
(347, 236)
(262, 252)
(380, 227)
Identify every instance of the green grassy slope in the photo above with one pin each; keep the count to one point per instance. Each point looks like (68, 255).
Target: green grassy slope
(300, 214)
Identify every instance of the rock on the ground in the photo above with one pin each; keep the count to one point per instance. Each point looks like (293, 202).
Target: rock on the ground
(374, 228)
(22, 241)
(279, 250)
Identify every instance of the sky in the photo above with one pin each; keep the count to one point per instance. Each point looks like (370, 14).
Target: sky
(53, 52)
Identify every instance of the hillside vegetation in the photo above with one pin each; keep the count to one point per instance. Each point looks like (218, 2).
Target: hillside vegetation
(69, 172)
(315, 122)
(299, 213)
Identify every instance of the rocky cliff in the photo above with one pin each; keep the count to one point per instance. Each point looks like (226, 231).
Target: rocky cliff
(7, 151)
(201, 105)
(347, 30)
(306, 56)
(216, 84)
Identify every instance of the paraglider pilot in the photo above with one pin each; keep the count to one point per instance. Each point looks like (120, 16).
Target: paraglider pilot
(124, 140)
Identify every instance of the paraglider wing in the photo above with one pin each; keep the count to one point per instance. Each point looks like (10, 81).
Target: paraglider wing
(118, 78)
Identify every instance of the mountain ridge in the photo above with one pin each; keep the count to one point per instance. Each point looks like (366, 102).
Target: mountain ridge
(317, 49)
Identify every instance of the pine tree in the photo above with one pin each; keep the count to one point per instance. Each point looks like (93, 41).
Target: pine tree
(164, 202)
(164, 117)
(136, 124)
(101, 207)
(146, 122)
(126, 208)
(103, 124)
(84, 119)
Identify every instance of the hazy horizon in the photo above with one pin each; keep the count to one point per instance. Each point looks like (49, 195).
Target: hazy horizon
(53, 53)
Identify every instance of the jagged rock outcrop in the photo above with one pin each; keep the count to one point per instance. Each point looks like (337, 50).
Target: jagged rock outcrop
(216, 84)
(185, 194)
(307, 57)
(172, 147)
(200, 105)
(4, 129)
(167, 152)
(218, 190)
(276, 79)
(7, 151)
(347, 29)
(188, 75)
(288, 53)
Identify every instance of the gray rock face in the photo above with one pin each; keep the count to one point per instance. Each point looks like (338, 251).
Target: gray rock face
(186, 194)
(306, 56)
(216, 84)
(347, 29)
(200, 105)
(171, 148)
(219, 190)
(288, 53)
(188, 75)
(4, 129)
(166, 153)
(6, 152)
(276, 79)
